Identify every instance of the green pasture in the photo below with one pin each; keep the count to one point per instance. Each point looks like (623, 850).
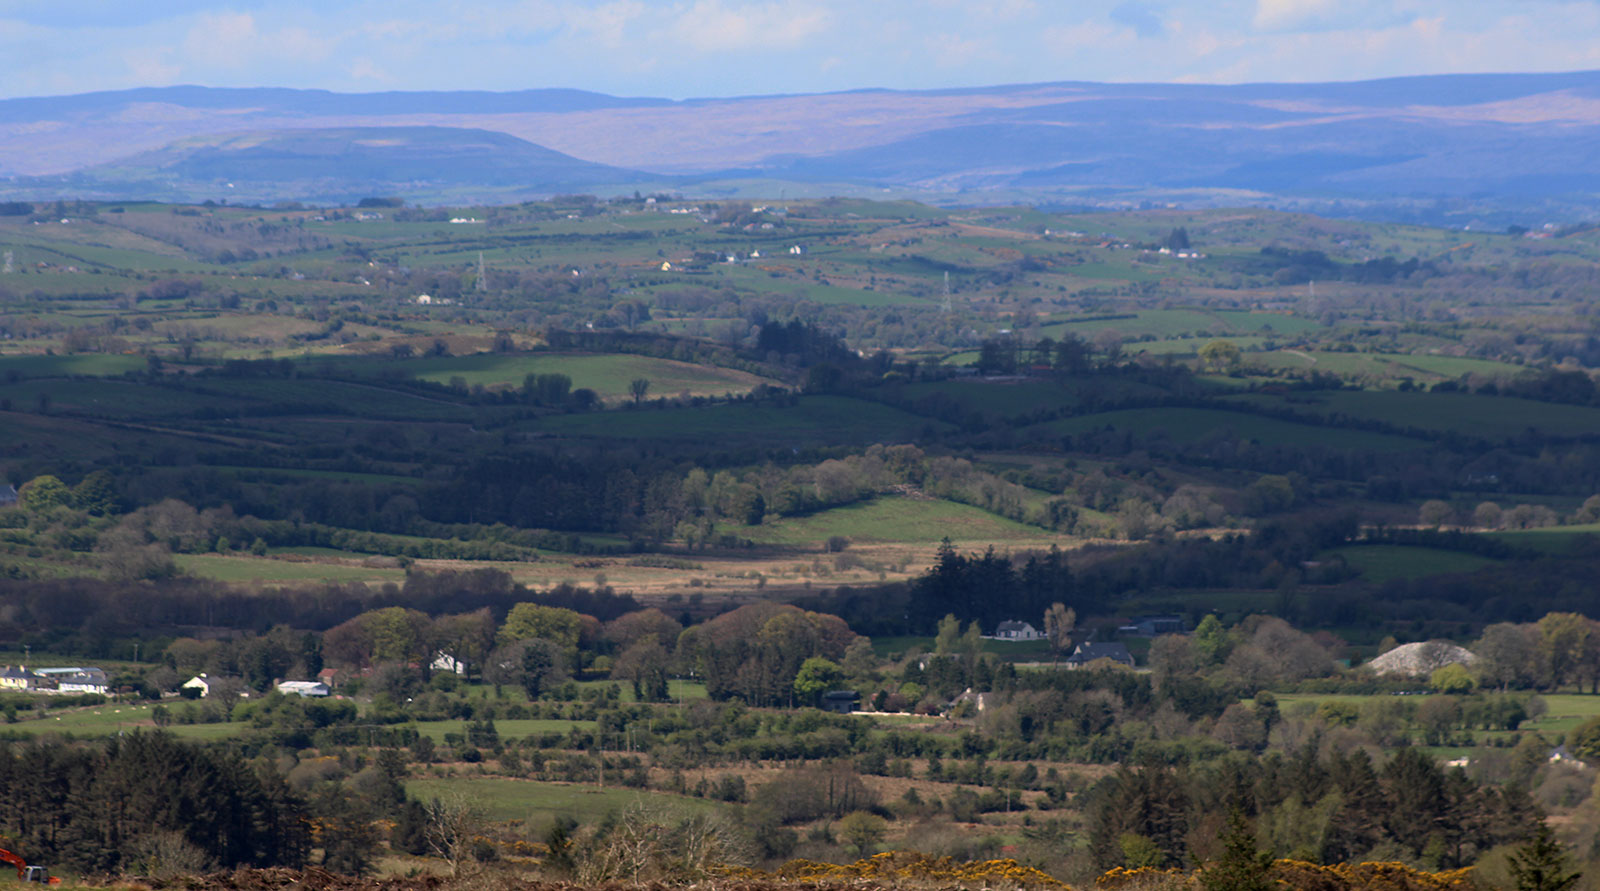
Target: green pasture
(71, 439)
(111, 719)
(1030, 650)
(1550, 539)
(109, 398)
(361, 400)
(505, 798)
(1563, 711)
(1008, 398)
(97, 364)
(1387, 366)
(678, 689)
(608, 375)
(1490, 417)
(508, 728)
(829, 419)
(1169, 323)
(1198, 424)
(893, 519)
(1382, 563)
(227, 568)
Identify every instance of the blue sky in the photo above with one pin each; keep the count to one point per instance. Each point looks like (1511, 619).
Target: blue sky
(687, 48)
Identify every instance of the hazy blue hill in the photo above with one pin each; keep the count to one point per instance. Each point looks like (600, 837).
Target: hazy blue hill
(1475, 147)
(273, 100)
(323, 163)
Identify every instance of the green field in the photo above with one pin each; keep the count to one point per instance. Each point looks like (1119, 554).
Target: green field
(33, 365)
(893, 519)
(111, 719)
(1564, 711)
(1550, 539)
(1382, 563)
(504, 798)
(1384, 366)
(829, 419)
(260, 569)
(508, 728)
(608, 375)
(1198, 424)
(1491, 417)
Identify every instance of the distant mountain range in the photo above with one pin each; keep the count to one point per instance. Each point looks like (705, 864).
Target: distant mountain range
(1454, 147)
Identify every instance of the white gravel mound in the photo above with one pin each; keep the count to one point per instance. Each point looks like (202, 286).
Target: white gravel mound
(1421, 659)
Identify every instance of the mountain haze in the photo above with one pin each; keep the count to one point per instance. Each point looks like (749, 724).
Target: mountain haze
(1462, 145)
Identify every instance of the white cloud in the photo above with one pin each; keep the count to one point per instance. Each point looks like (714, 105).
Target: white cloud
(713, 26)
(1322, 15)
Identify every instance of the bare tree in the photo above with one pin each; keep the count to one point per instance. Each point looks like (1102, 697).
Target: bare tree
(1059, 620)
(452, 822)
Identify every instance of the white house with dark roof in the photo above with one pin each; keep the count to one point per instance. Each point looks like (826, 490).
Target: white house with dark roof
(8, 494)
(1013, 630)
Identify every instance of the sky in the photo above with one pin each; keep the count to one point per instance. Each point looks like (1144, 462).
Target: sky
(703, 48)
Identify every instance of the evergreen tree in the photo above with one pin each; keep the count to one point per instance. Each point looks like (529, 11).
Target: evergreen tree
(1242, 867)
(1541, 863)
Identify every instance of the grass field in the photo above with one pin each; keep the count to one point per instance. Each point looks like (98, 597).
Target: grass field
(257, 569)
(1550, 539)
(1491, 417)
(1381, 563)
(830, 419)
(33, 365)
(111, 719)
(1387, 366)
(893, 519)
(1564, 711)
(1196, 424)
(509, 729)
(504, 798)
(608, 375)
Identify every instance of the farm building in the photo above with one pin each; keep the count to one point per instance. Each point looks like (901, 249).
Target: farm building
(842, 701)
(8, 494)
(1086, 653)
(303, 688)
(1153, 626)
(198, 682)
(75, 679)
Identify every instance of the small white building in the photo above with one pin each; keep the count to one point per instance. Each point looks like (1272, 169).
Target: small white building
(797, 250)
(303, 688)
(423, 299)
(198, 682)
